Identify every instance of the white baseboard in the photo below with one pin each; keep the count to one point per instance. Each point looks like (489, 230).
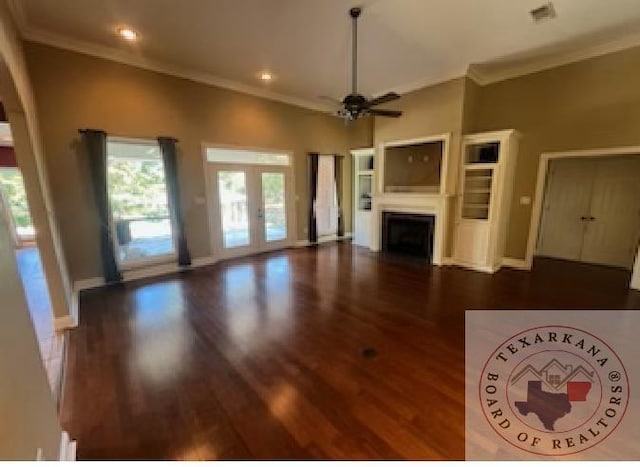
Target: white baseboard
(70, 321)
(475, 267)
(204, 261)
(325, 239)
(516, 263)
(86, 284)
(68, 448)
(151, 271)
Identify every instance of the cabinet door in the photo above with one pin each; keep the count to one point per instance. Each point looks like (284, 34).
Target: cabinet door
(362, 235)
(472, 243)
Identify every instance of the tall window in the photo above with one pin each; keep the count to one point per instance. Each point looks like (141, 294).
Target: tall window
(327, 197)
(15, 196)
(139, 205)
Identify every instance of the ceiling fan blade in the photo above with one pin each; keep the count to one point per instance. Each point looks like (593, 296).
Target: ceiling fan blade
(388, 97)
(385, 113)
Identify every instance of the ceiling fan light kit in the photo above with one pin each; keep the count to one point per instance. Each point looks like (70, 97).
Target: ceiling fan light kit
(355, 105)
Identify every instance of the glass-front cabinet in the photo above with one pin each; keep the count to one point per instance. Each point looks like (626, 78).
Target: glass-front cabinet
(364, 162)
(484, 199)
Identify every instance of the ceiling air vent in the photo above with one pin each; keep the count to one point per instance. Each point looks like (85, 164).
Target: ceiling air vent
(543, 13)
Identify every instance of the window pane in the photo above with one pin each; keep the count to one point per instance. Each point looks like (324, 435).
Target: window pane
(275, 214)
(232, 188)
(13, 187)
(242, 156)
(138, 196)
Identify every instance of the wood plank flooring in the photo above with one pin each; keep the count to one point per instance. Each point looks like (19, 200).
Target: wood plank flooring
(263, 357)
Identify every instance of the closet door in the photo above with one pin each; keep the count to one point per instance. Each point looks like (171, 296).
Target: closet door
(611, 235)
(566, 208)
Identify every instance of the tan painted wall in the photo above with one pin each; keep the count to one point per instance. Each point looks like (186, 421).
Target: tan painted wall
(590, 104)
(434, 110)
(77, 91)
(17, 97)
(28, 417)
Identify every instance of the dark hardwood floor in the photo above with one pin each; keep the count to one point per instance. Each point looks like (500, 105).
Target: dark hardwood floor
(263, 357)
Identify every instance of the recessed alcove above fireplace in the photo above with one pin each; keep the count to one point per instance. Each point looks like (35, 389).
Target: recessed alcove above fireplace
(413, 167)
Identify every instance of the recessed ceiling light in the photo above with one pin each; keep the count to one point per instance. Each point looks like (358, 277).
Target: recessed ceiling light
(266, 76)
(128, 34)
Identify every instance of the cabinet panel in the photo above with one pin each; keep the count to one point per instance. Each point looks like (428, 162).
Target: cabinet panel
(472, 243)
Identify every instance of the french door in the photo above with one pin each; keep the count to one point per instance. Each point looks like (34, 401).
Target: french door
(252, 208)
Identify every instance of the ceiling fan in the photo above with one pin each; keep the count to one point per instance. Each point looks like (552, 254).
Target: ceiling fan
(355, 105)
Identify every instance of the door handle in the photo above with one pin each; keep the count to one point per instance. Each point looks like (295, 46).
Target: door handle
(587, 218)
(260, 213)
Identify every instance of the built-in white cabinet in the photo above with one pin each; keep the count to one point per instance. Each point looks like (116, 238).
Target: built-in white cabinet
(485, 192)
(363, 184)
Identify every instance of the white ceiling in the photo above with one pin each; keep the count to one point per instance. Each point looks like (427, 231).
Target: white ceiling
(404, 44)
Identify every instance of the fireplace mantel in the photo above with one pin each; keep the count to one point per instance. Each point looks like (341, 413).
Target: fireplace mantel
(431, 204)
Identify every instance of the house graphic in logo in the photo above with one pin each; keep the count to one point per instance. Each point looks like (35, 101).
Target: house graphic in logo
(551, 390)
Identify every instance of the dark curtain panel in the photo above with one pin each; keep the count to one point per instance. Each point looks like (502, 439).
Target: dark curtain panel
(313, 194)
(169, 157)
(338, 175)
(95, 142)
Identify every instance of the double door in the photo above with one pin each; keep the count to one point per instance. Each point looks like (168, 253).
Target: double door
(592, 211)
(252, 207)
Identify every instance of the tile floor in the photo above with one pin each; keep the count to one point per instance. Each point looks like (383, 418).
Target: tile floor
(52, 344)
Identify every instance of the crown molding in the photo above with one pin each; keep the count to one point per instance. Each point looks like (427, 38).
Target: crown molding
(32, 34)
(424, 83)
(488, 73)
(481, 73)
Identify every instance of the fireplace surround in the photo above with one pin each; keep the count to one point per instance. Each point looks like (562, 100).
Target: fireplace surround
(408, 234)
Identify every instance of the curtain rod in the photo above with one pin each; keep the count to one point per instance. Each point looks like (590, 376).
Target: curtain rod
(132, 138)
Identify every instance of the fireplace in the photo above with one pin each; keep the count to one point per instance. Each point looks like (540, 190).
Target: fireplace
(408, 234)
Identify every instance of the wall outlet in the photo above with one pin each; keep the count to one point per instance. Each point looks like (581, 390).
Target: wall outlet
(410, 159)
(525, 200)
(199, 201)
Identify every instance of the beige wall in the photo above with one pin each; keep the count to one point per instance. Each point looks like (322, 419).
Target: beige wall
(28, 417)
(590, 104)
(77, 91)
(434, 110)
(17, 97)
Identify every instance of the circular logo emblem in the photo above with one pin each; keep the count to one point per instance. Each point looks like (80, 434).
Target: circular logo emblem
(554, 390)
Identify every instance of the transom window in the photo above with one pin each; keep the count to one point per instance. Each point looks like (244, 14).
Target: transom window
(247, 156)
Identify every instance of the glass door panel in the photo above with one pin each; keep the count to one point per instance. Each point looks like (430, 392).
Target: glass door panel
(234, 208)
(274, 212)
